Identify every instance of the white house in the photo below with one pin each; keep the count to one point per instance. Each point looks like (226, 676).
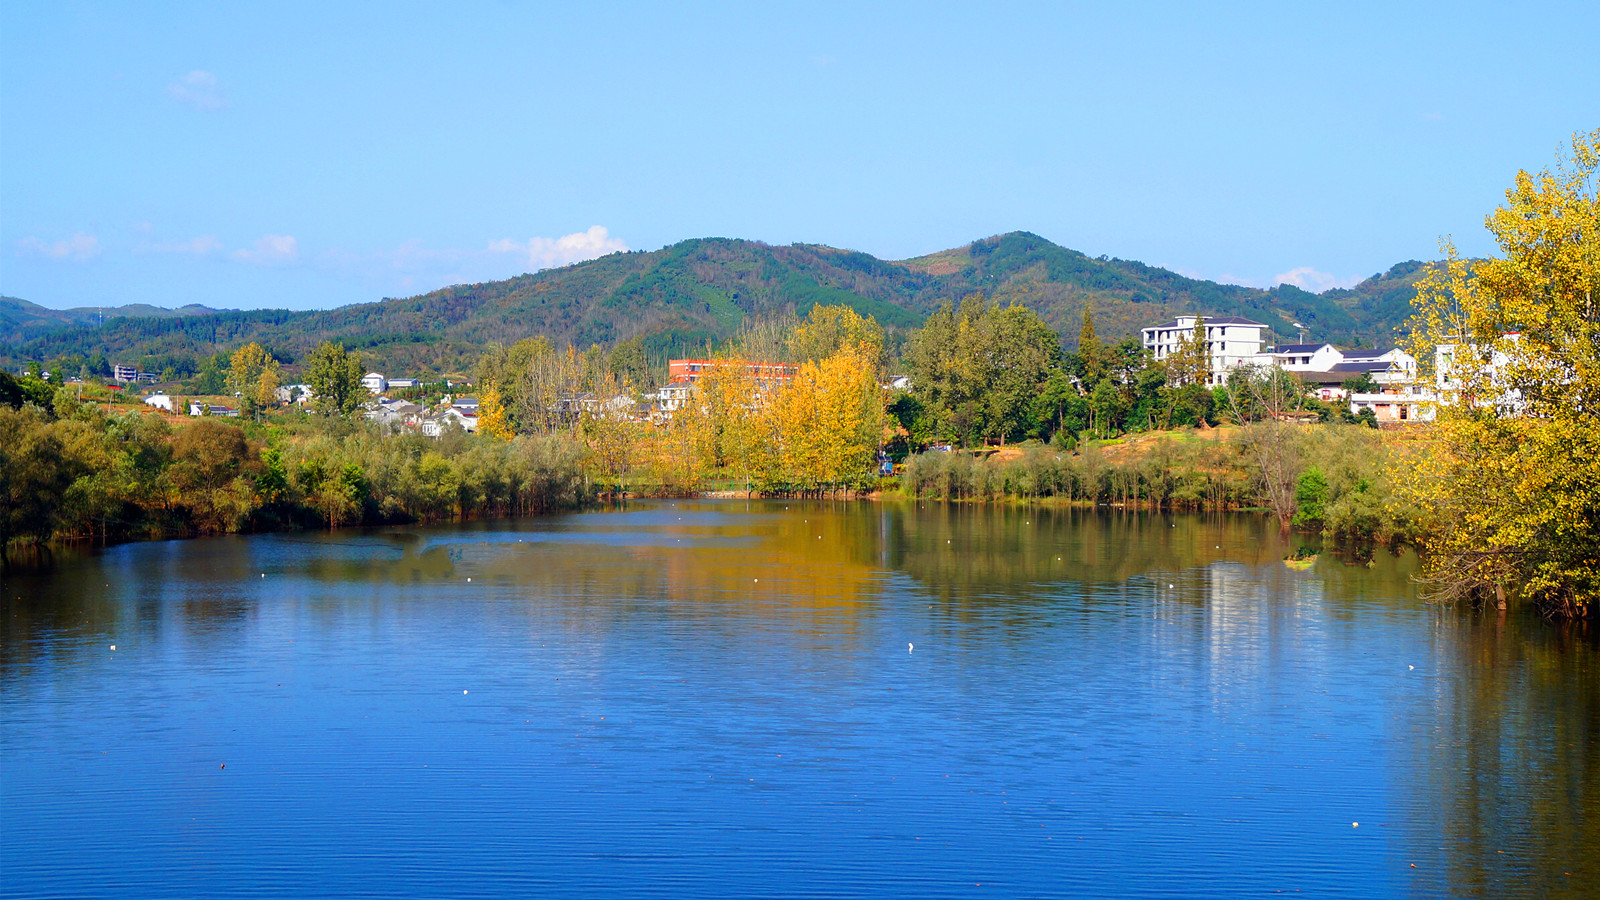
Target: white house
(160, 401)
(295, 393)
(1507, 401)
(197, 408)
(673, 395)
(1305, 357)
(1230, 341)
(1406, 407)
(467, 420)
(375, 382)
(401, 383)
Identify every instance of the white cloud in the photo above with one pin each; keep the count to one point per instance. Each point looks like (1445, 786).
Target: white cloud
(1305, 278)
(79, 248)
(270, 250)
(204, 245)
(199, 90)
(1309, 279)
(545, 253)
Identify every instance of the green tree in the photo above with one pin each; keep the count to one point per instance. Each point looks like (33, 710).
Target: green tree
(1190, 361)
(334, 376)
(35, 474)
(978, 369)
(629, 365)
(1310, 497)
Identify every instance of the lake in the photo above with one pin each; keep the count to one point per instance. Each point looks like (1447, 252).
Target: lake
(771, 699)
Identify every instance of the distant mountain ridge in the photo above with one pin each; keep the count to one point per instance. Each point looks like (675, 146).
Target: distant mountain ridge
(696, 292)
(21, 321)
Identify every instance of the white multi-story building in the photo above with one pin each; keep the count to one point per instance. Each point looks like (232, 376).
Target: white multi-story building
(375, 382)
(1230, 342)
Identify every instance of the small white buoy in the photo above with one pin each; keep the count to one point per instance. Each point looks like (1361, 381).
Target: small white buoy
(1171, 585)
(1408, 668)
(113, 646)
(263, 574)
(469, 580)
(463, 692)
(756, 580)
(910, 647)
(1355, 824)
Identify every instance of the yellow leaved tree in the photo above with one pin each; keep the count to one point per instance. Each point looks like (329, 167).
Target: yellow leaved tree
(492, 418)
(253, 376)
(829, 420)
(1510, 474)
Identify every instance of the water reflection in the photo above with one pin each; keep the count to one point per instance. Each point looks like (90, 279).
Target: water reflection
(1159, 691)
(1505, 754)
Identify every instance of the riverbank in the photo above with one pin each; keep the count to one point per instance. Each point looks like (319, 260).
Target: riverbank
(1337, 479)
(85, 475)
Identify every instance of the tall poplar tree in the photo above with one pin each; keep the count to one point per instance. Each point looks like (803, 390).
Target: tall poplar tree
(334, 375)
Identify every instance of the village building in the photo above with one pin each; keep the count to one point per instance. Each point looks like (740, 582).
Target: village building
(1389, 408)
(197, 408)
(294, 393)
(1230, 341)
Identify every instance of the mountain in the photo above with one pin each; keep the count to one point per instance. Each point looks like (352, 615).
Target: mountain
(21, 321)
(696, 292)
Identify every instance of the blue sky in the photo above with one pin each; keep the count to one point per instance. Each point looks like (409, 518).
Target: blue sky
(316, 154)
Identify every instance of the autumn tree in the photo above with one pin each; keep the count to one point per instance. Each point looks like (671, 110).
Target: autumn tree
(253, 376)
(828, 329)
(828, 421)
(1511, 475)
(492, 419)
(334, 376)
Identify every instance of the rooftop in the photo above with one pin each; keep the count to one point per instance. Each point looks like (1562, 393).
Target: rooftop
(1211, 320)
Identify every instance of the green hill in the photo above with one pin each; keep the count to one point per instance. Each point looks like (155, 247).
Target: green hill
(21, 321)
(695, 292)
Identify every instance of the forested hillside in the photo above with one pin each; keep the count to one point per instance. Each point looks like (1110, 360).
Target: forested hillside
(21, 321)
(698, 292)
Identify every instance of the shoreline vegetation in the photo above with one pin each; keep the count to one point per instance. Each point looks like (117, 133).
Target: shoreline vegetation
(1501, 494)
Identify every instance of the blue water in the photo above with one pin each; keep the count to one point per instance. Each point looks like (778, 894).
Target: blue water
(731, 699)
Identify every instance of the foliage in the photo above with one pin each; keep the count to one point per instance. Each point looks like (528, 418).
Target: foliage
(977, 369)
(253, 376)
(1310, 496)
(828, 329)
(492, 419)
(81, 473)
(1361, 384)
(1511, 478)
(334, 376)
(829, 421)
(1190, 361)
